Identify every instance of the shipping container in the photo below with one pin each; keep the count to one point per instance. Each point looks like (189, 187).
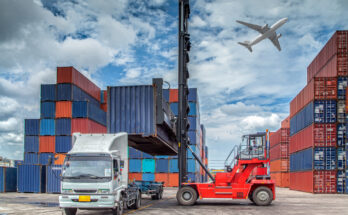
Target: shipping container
(322, 181)
(53, 178)
(71, 75)
(146, 155)
(286, 122)
(63, 109)
(281, 179)
(174, 107)
(59, 159)
(320, 111)
(280, 165)
(134, 153)
(63, 144)
(148, 177)
(316, 89)
(31, 144)
(162, 165)
(8, 179)
(165, 93)
(103, 96)
(134, 177)
(31, 158)
(70, 92)
(48, 92)
(47, 144)
(341, 158)
(47, 110)
(194, 123)
(331, 60)
(194, 137)
(144, 115)
(47, 127)
(341, 135)
(282, 135)
(173, 95)
(346, 191)
(342, 83)
(314, 135)
(86, 126)
(192, 96)
(173, 165)
(173, 179)
(148, 165)
(32, 127)
(135, 165)
(31, 178)
(83, 109)
(341, 111)
(162, 177)
(279, 151)
(341, 181)
(63, 127)
(43, 158)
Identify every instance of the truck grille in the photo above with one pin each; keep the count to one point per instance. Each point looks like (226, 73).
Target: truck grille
(85, 191)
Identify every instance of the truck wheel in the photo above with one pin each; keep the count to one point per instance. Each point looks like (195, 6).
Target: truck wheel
(161, 194)
(137, 203)
(262, 196)
(119, 209)
(70, 211)
(186, 196)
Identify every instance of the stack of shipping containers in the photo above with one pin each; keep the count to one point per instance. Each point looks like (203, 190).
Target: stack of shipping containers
(279, 154)
(72, 105)
(318, 122)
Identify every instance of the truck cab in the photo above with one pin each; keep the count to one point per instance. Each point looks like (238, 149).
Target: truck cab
(95, 175)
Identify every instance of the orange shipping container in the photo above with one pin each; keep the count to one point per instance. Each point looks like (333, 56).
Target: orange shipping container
(59, 159)
(173, 179)
(162, 177)
(281, 165)
(173, 95)
(134, 177)
(47, 144)
(281, 179)
(63, 109)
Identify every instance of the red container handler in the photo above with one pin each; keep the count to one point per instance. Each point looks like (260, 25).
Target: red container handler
(280, 136)
(279, 151)
(337, 44)
(315, 135)
(71, 75)
(324, 181)
(83, 126)
(317, 88)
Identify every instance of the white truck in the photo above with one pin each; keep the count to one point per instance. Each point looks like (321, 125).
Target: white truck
(95, 175)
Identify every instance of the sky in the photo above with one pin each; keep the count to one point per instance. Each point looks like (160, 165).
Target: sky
(128, 42)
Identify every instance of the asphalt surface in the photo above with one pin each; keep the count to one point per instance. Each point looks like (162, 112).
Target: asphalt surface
(287, 202)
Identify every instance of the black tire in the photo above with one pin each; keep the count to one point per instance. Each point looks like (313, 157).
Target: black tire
(119, 210)
(250, 197)
(154, 197)
(262, 196)
(161, 194)
(137, 203)
(70, 211)
(186, 196)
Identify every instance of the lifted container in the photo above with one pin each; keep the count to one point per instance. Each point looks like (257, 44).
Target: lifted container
(151, 188)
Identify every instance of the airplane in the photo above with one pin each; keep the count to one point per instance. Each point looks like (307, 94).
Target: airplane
(265, 32)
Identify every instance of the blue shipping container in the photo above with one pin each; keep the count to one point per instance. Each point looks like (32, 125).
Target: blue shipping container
(173, 166)
(162, 165)
(148, 177)
(8, 179)
(135, 165)
(330, 158)
(53, 178)
(134, 153)
(341, 181)
(302, 160)
(194, 137)
(48, 110)
(63, 144)
(145, 155)
(63, 127)
(48, 92)
(148, 165)
(346, 191)
(192, 165)
(31, 144)
(193, 95)
(195, 149)
(174, 107)
(193, 123)
(43, 158)
(2, 179)
(341, 158)
(32, 127)
(83, 109)
(31, 178)
(341, 87)
(341, 135)
(47, 127)
(193, 109)
(70, 92)
(31, 158)
(165, 93)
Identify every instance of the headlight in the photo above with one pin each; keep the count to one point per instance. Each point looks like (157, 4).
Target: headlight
(103, 191)
(67, 191)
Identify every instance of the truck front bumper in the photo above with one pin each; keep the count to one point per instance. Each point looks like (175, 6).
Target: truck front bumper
(97, 201)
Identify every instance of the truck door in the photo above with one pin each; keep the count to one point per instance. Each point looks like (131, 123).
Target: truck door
(116, 174)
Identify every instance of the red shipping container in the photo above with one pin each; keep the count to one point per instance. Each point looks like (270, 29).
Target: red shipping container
(162, 177)
(134, 177)
(317, 88)
(281, 179)
(173, 179)
(104, 107)
(47, 144)
(280, 136)
(286, 123)
(312, 136)
(280, 165)
(63, 109)
(71, 75)
(84, 126)
(279, 151)
(173, 95)
(314, 181)
(338, 44)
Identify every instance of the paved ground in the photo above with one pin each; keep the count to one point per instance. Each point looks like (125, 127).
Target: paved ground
(288, 202)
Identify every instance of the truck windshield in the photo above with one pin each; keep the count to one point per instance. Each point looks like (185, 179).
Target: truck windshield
(87, 167)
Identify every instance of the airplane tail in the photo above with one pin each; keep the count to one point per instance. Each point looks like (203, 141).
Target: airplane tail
(246, 44)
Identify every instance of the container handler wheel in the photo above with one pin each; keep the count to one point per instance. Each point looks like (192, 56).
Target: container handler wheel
(70, 211)
(262, 196)
(186, 196)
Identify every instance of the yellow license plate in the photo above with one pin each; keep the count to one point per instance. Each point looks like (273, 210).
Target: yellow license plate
(84, 198)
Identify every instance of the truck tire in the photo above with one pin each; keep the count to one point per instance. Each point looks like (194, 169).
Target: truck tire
(161, 194)
(137, 203)
(70, 211)
(119, 209)
(262, 196)
(186, 196)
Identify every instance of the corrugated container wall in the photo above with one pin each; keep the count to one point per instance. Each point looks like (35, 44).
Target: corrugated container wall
(32, 127)
(53, 178)
(88, 110)
(48, 92)
(31, 178)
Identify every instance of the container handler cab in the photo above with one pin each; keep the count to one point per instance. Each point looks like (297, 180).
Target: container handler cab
(246, 175)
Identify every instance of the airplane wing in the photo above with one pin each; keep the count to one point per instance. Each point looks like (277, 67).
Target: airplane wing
(258, 28)
(275, 41)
